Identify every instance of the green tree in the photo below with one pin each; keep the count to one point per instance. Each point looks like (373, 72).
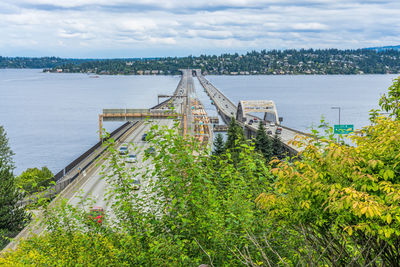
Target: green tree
(12, 216)
(34, 180)
(195, 212)
(391, 102)
(219, 146)
(235, 135)
(278, 150)
(263, 143)
(235, 139)
(341, 201)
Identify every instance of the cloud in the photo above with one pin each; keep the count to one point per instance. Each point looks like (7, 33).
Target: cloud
(153, 28)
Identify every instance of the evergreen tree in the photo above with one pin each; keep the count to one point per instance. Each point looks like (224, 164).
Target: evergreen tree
(12, 217)
(235, 135)
(219, 146)
(234, 140)
(263, 143)
(277, 147)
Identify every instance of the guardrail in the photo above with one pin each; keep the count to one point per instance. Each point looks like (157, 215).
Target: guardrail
(65, 172)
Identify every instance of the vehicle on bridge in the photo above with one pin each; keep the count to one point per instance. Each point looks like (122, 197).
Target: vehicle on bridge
(144, 136)
(131, 158)
(123, 150)
(278, 130)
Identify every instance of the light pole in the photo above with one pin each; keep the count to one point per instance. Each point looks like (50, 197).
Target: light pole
(339, 120)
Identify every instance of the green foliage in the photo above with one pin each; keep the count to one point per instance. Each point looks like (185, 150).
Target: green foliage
(234, 140)
(191, 211)
(391, 102)
(12, 217)
(34, 180)
(263, 143)
(5, 151)
(342, 201)
(278, 150)
(219, 146)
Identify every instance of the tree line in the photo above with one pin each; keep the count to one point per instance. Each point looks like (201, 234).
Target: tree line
(274, 62)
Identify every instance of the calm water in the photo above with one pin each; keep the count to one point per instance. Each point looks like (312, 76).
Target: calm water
(51, 119)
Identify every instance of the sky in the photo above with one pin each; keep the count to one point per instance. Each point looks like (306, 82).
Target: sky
(157, 28)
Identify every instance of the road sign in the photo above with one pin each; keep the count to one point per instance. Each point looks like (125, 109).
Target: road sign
(343, 128)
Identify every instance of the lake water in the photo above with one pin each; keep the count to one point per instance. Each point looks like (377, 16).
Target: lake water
(50, 119)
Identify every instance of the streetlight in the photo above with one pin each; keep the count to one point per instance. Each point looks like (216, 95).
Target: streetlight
(339, 112)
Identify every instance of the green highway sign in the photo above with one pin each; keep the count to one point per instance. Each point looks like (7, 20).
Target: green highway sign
(343, 128)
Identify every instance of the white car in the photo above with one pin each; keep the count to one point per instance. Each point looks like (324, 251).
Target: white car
(131, 158)
(272, 124)
(123, 150)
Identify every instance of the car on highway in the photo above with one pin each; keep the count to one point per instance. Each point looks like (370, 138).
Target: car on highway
(272, 124)
(255, 120)
(131, 158)
(278, 130)
(96, 214)
(269, 132)
(136, 184)
(144, 136)
(123, 150)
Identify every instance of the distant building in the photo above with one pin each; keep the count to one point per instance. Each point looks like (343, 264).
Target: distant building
(59, 70)
(154, 72)
(139, 72)
(146, 72)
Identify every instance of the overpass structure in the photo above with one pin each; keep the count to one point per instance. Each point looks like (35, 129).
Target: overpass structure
(227, 109)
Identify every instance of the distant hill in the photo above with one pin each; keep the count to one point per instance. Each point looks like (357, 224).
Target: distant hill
(273, 62)
(374, 60)
(37, 62)
(384, 48)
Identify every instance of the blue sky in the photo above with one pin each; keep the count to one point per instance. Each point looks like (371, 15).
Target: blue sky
(153, 28)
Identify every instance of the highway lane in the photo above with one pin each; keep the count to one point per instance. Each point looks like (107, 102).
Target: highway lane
(96, 187)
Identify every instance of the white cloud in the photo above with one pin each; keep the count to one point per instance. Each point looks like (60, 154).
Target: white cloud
(156, 27)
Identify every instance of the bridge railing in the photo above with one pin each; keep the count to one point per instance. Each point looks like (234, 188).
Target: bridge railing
(204, 82)
(64, 177)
